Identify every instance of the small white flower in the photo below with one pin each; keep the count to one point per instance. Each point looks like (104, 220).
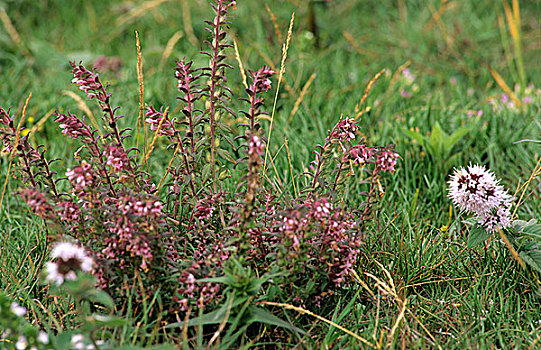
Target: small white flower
(67, 259)
(17, 309)
(484, 313)
(43, 338)
(76, 338)
(77, 341)
(21, 344)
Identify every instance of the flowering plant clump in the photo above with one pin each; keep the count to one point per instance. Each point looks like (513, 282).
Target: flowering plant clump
(503, 101)
(190, 233)
(15, 332)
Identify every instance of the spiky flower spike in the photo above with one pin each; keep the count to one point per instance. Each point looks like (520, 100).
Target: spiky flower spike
(90, 83)
(217, 92)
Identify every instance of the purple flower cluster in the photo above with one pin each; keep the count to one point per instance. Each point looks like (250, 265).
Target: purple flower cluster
(256, 148)
(408, 76)
(475, 189)
(383, 158)
(345, 130)
(72, 126)
(69, 212)
(154, 118)
(81, 176)
(386, 161)
(472, 113)
(116, 158)
(7, 130)
(326, 237)
(504, 102)
(202, 293)
(261, 80)
(132, 230)
(87, 81)
(37, 202)
(408, 83)
(205, 207)
(361, 154)
(209, 260)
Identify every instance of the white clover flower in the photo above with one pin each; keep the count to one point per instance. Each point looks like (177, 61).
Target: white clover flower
(17, 309)
(67, 259)
(476, 190)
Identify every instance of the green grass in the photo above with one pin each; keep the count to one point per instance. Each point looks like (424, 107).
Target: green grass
(460, 297)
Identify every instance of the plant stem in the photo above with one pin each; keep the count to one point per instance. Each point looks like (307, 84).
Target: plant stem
(213, 85)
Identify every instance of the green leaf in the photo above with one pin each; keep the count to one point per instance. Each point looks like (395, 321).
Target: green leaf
(518, 225)
(222, 279)
(456, 136)
(108, 321)
(452, 160)
(207, 172)
(214, 317)
(477, 235)
(532, 258)
(101, 297)
(533, 230)
(436, 140)
(263, 316)
(63, 340)
(415, 136)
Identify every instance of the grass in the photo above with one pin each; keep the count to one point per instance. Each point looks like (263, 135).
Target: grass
(456, 297)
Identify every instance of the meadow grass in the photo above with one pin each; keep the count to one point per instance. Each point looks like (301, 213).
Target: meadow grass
(419, 285)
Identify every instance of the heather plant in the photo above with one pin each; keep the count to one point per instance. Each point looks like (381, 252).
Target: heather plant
(187, 235)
